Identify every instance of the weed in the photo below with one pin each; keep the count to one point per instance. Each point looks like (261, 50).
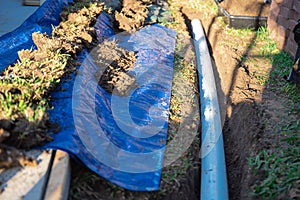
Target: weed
(279, 168)
(196, 5)
(262, 33)
(281, 172)
(282, 59)
(282, 63)
(261, 77)
(269, 47)
(240, 33)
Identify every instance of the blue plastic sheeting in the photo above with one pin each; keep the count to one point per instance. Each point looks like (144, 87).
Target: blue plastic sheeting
(120, 138)
(40, 21)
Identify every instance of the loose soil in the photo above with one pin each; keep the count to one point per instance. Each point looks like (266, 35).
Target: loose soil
(249, 110)
(246, 8)
(132, 16)
(113, 65)
(74, 33)
(38, 72)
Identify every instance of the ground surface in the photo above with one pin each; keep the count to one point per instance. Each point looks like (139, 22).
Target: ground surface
(250, 110)
(253, 110)
(239, 95)
(246, 8)
(8, 21)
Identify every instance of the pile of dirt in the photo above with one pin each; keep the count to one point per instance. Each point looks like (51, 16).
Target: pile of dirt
(39, 72)
(25, 94)
(132, 16)
(11, 157)
(247, 8)
(113, 65)
(136, 14)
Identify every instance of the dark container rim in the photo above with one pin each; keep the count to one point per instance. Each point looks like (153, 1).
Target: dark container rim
(240, 21)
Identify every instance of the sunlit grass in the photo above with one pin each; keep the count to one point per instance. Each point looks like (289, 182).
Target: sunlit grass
(196, 5)
(280, 167)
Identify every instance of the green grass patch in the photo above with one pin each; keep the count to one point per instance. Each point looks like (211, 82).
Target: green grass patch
(269, 46)
(280, 171)
(240, 33)
(209, 7)
(279, 168)
(282, 65)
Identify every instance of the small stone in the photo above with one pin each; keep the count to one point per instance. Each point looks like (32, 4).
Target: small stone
(3, 134)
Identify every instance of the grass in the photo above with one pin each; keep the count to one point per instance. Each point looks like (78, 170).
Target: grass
(281, 172)
(25, 87)
(195, 5)
(184, 74)
(25, 90)
(183, 92)
(283, 64)
(240, 33)
(278, 168)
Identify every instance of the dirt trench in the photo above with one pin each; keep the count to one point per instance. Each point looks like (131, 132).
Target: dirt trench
(239, 102)
(241, 98)
(243, 127)
(242, 123)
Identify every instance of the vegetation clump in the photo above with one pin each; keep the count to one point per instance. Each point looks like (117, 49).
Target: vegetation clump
(25, 87)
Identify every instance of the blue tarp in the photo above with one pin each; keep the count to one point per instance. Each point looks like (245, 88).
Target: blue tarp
(121, 138)
(40, 21)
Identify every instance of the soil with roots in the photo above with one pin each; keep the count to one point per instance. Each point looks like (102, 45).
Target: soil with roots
(24, 121)
(113, 65)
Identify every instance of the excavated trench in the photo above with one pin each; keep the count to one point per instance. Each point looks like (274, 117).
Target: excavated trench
(180, 180)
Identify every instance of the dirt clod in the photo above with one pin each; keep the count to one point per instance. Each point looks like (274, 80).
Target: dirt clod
(3, 134)
(114, 63)
(132, 15)
(12, 157)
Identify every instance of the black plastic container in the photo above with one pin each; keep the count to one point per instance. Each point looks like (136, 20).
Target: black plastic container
(239, 21)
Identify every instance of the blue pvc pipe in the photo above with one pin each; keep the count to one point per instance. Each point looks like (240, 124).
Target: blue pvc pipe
(213, 168)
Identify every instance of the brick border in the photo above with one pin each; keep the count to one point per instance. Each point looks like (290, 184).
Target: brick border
(282, 19)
